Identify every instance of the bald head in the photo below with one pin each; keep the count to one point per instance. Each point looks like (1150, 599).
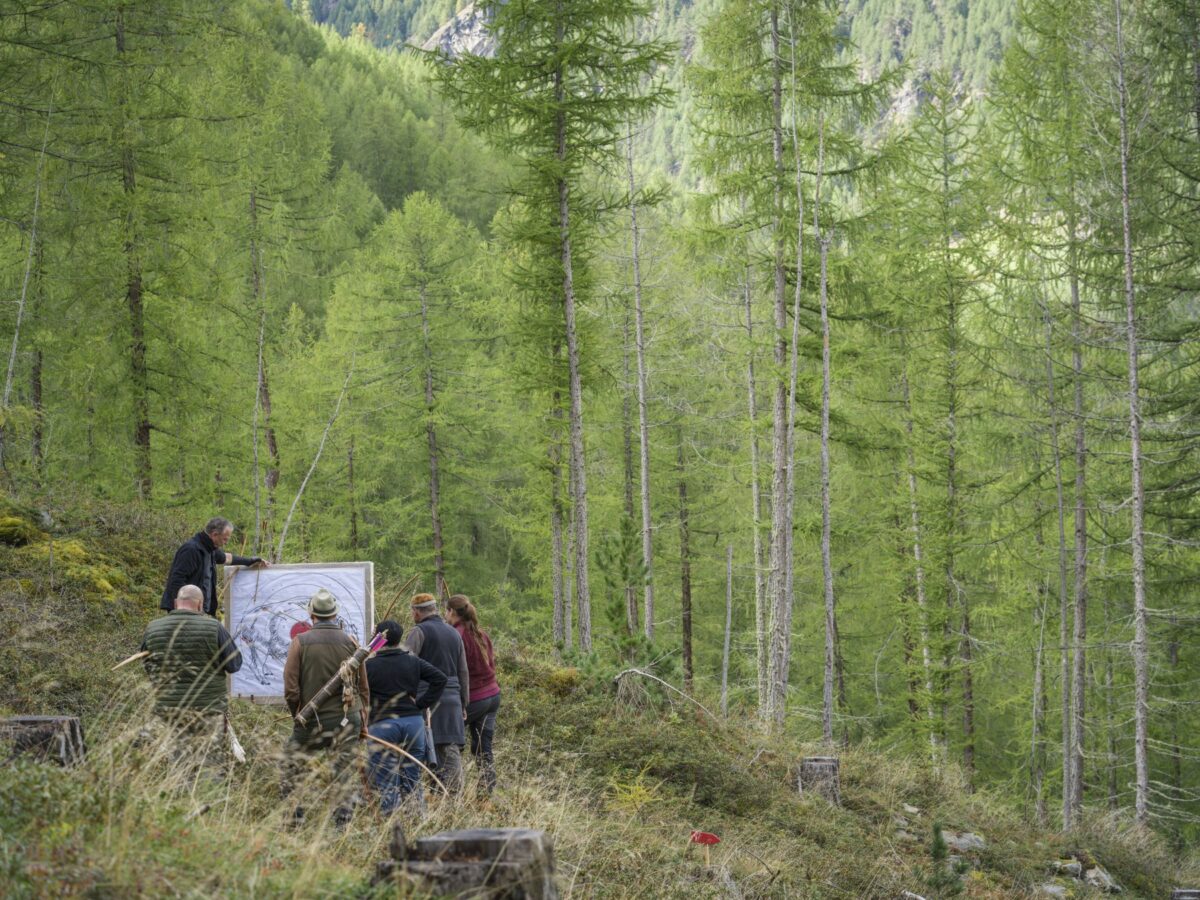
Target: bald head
(189, 597)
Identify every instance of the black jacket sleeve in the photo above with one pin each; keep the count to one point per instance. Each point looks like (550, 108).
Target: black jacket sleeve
(436, 680)
(244, 560)
(229, 657)
(186, 568)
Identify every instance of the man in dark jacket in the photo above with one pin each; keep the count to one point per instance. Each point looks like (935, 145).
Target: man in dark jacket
(189, 654)
(197, 560)
(397, 715)
(315, 657)
(441, 646)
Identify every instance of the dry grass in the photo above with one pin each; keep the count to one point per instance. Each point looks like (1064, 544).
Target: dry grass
(618, 789)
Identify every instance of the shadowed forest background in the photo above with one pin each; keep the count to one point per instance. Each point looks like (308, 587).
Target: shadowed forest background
(882, 323)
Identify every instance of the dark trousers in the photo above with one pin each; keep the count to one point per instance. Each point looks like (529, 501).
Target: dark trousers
(393, 776)
(304, 750)
(481, 727)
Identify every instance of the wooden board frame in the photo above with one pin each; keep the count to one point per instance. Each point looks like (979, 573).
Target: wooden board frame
(232, 572)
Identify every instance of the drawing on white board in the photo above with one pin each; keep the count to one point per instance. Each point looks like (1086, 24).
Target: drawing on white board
(267, 608)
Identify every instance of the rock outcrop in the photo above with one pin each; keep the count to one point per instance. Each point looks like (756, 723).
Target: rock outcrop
(466, 33)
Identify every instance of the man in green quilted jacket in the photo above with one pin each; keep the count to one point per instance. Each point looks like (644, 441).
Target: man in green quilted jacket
(337, 724)
(189, 654)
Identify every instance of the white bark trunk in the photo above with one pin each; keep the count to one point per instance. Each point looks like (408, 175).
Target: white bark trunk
(1063, 606)
(794, 350)
(575, 412)
(33, 229)
(562, 618)
(760, 601)
(643, 414)
(728, 626)
(1141, 650)
(1073, 767)
(316, 459)
(1036, 767)
(780, 562)
(919, 568)
(826, 539)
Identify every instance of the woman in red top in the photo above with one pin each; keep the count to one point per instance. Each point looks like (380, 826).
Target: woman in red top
(484, 697)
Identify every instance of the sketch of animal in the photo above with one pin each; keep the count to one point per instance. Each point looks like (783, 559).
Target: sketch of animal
(255, 642)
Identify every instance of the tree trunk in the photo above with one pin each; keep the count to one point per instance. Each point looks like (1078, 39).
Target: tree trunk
(781, 605)
(1176, 746)
(1037, 773)
(562, 616)
(1194, 45)
(794, 350)
(1141, 649)
(266, 520)
(1063, 607)
(578, 468)
(304, 530)
(685, 572)
(1110, 720)
(139, 376)
(33, 253)
(1073, 768)
(569, 562)
(631, 604)
(1037, 752)
(353, 499)
(435, 488)
(955, 595)
(37, 460)
(728, 627)
(760, 601)
(919, 565)
(826, 537)
(643, 414)
(36, 445)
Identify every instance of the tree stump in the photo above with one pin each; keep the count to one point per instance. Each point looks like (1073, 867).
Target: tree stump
(56, 739)
(499, 863)
(819, 775)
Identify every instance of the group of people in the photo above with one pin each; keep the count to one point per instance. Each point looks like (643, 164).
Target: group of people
(415, 701)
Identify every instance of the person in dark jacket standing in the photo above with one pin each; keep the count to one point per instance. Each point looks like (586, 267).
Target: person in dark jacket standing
(440, 646)
(484, 701)
(397, 716)
(196, 563)
(188, 656)
(314, 657)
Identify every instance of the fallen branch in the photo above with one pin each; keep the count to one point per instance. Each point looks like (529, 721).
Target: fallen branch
(667, 685)
(316, 459)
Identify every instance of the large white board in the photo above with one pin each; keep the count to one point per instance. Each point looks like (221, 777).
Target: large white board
(266, 608)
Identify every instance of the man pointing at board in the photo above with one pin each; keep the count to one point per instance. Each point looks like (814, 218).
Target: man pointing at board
(197, 560)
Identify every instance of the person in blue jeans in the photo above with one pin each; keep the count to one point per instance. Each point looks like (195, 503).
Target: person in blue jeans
(397, 716)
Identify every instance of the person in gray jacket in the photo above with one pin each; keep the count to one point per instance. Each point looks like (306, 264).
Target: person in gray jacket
(440, 645)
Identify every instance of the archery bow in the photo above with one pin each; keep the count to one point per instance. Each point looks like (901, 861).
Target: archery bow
(345, 673)
(348, 668)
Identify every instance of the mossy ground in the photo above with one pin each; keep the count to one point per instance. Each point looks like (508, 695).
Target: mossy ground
(619, 785)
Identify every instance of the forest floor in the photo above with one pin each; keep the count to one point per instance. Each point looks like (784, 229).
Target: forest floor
(618, 782)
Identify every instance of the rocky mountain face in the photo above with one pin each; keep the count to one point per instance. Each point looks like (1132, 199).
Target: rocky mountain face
(966, 37)
(465, 33)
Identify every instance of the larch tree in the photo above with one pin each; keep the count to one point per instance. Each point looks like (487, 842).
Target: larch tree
(561, 88)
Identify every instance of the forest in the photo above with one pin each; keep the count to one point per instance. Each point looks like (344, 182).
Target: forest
(838, 364)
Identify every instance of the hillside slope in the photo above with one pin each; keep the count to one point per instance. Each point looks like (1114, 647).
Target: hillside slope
(966, 37)
(618, 778)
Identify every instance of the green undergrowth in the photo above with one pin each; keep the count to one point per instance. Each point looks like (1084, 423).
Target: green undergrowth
(619, 779)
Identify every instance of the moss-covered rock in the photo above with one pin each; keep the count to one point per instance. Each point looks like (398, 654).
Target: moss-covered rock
(17, 532)
(92, 574)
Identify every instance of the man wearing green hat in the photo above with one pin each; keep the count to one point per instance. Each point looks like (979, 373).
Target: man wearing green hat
(315, 657)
